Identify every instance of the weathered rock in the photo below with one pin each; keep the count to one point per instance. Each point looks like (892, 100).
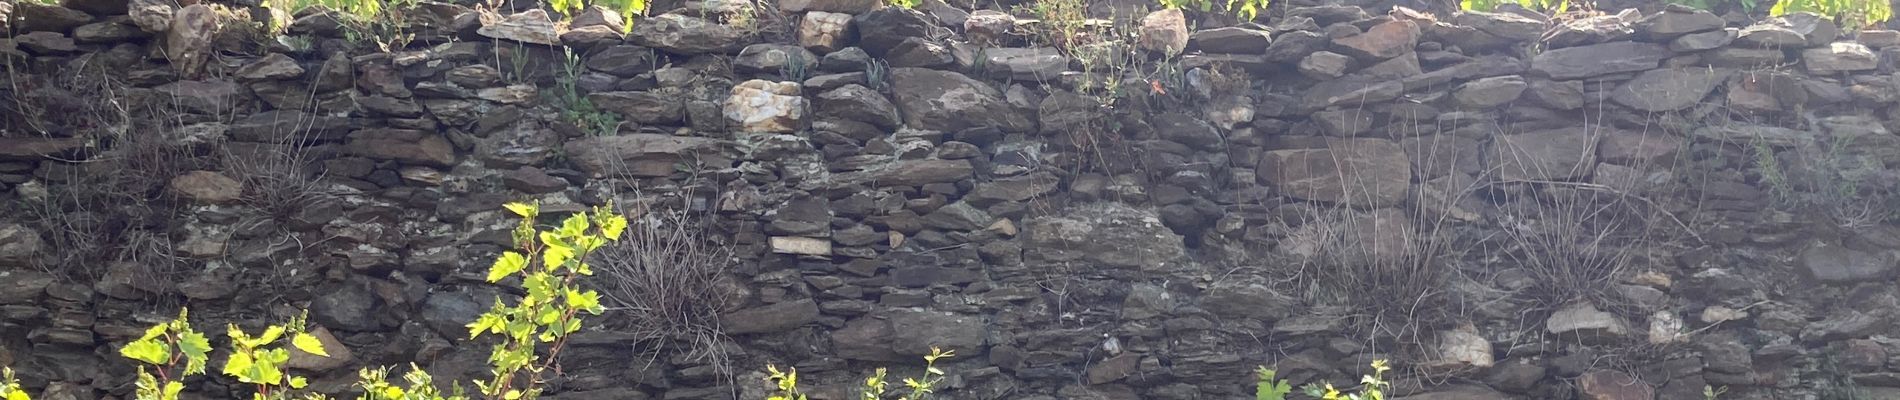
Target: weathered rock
(350, 307)
(685, 34)
(958, 216)
(764, 106)
(825, 32)
(205, 97)
(1639, 149)
(770, 318)
(272, 67)
(1599, 59)
(1462, 347)
(1605, 384)
(32, 16)
(640, 155)
(1835, 264)
(18, 246)
(1163, 31)
(986, 27)
(1343, 123)
(38, 148)
(107, 32)
(1459, 392)
(207, 187)
(1774, 33)
(1324, 65)
(920, 52)
(883, 29)
(1672, 22)
(1107, 234)
(836, 6)
(188, 38)
(859, 103)
(1668, 89)
(1557, 154)
(1034, 64)
(772, 58)
(20, 286)
(153, 16)
(1435, 156)
(1584, 320)
(275, 126)
(1702, 41)
(1593, 29)
(1490, 92)
(1562, 95)
(1230, 40)
(925, 330)
(623, 61)
(1839, 57)
(337, 355)
(409, 146)
(946, 101)
(642, 107)
(532, 26)
(1247, 300)
(1360, 172)
(46, 43)
(1383, 41)
(531, 180)
(1503, 25)
(1188, 130)
(1293, 46)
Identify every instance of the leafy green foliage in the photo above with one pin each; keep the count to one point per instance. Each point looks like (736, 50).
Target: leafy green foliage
(549, 311)
(1269, 387)
(174, 351)
(10, 387)
(1851, 14)
(1747, 6)
(1245, 10)
(1372, 387)
(421, 386)
(1549, 6)
(254, 360)
(576, 108)
(921, 388)
(903, 3)
(381, 22)
(1711, 392)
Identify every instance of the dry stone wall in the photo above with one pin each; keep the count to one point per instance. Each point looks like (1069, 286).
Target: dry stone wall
(879, 181)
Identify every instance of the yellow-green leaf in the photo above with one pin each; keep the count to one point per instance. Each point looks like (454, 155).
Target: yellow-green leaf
(298, 382)
(574, 225)
(508, 264)
(512, 395)
(614, 227)
(524, 210)
(149, 351)
(308, 343)
(271, 334)
(197, 350)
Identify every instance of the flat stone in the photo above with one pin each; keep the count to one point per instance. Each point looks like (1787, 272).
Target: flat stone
(779, 317)
(1383, 41)
(1839, 57)
(1490, 92)
(1374, 172)
(1550, 155)
(1836, 264)
(1599, 59)
(1230, 40)
(1668, 89)
(532, 26)
(1584, 320)
(801, 246)
(207, 187)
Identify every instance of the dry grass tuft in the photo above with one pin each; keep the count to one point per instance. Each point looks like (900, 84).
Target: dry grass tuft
(662, 283)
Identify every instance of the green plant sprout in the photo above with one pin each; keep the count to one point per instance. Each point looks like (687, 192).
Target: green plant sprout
(1269, 387)
(10, 387)
(1549, 6)
(1711, 392)
(785, 383)
(376, 386)
(1373, 387)
(1850, 14)
(1245, 10)
(254, 363)
(551, 308)
(174, 351)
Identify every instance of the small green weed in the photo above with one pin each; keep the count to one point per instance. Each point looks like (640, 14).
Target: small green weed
(921, 388)
(1245, 10)
(10, 386)
(1372, 387)
(576, 108)
(1269, 387)
(1548, 6)
(1851, 14)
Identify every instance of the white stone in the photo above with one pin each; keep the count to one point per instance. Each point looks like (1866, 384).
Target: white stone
(801, 246)
(764, 106)
(824, 32)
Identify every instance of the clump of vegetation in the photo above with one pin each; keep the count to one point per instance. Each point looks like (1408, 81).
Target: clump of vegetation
(627, 8)
(575, 107)
(921, 388)
(548, 264)
(1245, 10)
(1851, 14)
(903, 3)
(1549, 6)
(378, 23)
(1372, 387)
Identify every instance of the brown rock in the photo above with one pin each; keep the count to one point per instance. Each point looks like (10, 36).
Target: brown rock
(188, 39)
(640, 155)
(410, 146)
(1163, 32)
(37, 148)
(1557, 154)
(1383, 41)
(34, 16)
(532, 26)
(207, 187)
(1614, 385)
(1360, 172)
(272, 67)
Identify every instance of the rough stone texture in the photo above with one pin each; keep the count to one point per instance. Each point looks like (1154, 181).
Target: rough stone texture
(1359, 172)
(1490, 92)
(824, 32)
(1668, 89)
(532, 26)
(645, 155)
(883, 29)
(1584, 320)
(642, 107)
(1675, 22)
(1614, 385)
(1163, 31)
(1839, 57)
(687, 35)
(1230, 40)
(18, 245)
(1557, 154)
(764, 106)
(207, 187)
(1599, 59)
(1108, 234)
(1383, 41)
(858, 103)
(1836, 264)
(947, 101)
(777, 317)
(1325, 65)
(42, 17)
(835, 6)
